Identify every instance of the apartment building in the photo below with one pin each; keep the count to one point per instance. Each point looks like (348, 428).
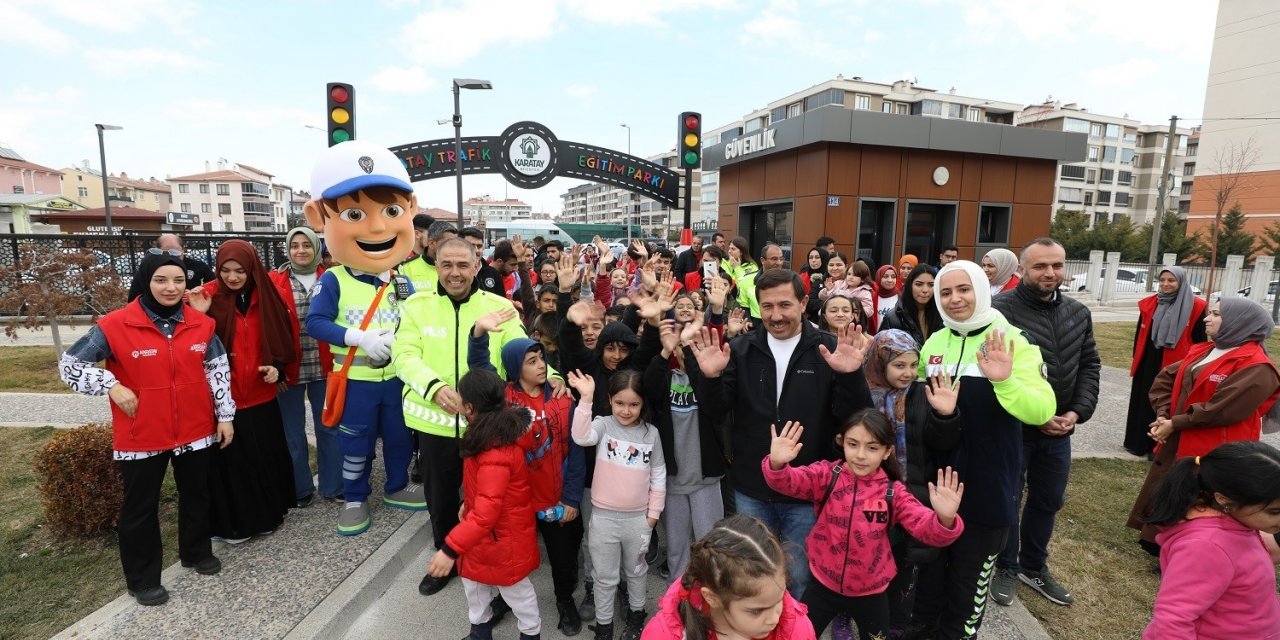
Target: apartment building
(1148, 169)
(476, 211)
(1188, 173)
(84, 185)
(241, 198)
(594, 203)
(21, 177)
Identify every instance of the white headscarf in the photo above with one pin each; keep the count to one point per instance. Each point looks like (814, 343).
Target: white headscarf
(1006, 264)
(983, 314)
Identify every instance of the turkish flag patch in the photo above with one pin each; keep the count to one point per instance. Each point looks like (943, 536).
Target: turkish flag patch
(935, 359)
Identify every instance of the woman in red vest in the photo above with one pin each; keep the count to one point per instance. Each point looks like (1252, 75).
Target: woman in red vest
(1217, 394)
(167, 376)
(252, 480)
(1169, 322)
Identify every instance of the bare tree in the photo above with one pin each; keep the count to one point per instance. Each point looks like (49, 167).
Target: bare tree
(49, 283)
(1230, 165)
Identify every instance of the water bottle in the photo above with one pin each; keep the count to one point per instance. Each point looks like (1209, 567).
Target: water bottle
(552, 514)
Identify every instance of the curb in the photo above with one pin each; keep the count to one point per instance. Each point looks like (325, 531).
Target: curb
(1027, 624)
(333, 617)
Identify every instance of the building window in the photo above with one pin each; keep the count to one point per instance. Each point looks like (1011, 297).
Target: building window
(83, 192)
(886, 107)
(1073, 172)
(1070, 194)
(204, 187)
(224, 189)
(974, 115)
(1124, 177)
(993, 225)
(778, 115)
(205, 208)
(1113, 132)
(1189, 169)
(1192, 150)
(1100, 217)
(1131, 138)
(184, 188)
(955, 111)
(1095, 131)
(1088, 198)
(1108, 154)
(927, 108)
(1126, 156)
(902, 108)
(224, 209)
(795, 109)
(1122, 198)
(1184, 206)
(186, 207)
(1093, 154)
(824, 98)
(1108, 176)
(1075, 124)
(18, 189)
(861, 102)
(1092, 176)
(754, 124)
(1186, 188)
(1104, 197)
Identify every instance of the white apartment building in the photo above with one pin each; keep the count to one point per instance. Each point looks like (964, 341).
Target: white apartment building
(1188, 172)
(239, 199)
(477, 211)
(595, 203)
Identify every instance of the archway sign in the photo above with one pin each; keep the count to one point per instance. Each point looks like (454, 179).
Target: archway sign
(529, 155)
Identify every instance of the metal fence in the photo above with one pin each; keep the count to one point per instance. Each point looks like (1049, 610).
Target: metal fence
(122, 252)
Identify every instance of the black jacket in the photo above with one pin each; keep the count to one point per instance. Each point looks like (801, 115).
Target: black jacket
(657, 388)
(1063, 329)
(490, 280)
(813, 394)
(686, 263)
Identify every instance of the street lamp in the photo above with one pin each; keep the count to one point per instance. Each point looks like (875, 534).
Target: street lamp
(102, 156)
(458, 85)
(628, 128)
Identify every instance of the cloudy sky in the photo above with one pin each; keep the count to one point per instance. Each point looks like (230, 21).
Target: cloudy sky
(194, 81)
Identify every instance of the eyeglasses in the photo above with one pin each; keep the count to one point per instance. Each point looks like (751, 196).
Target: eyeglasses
(164, 252)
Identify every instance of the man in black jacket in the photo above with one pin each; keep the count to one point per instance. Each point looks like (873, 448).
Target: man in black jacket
(814, 378)
(1063, 329)
(689, 261)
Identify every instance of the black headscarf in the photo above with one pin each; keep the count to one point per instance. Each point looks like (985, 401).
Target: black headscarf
(141, 285)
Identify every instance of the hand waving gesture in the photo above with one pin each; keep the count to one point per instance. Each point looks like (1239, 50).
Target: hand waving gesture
(851, 350)
(942, 393)
(785, 446)
(737, 322)
(712, 356)
(489, 322)
(945, 496)
(717, 289)
(583, 384)
(669, 337)
(995, 357)
(566, 272)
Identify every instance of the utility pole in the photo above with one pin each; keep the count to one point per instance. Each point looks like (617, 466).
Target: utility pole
(1163, 190)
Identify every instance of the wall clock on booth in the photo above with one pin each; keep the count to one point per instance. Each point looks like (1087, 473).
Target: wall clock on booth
(941, 176)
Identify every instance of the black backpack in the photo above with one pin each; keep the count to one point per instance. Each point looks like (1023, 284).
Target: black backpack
(831, 486)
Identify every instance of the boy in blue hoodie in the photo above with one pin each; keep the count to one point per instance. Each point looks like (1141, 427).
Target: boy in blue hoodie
(557, 468)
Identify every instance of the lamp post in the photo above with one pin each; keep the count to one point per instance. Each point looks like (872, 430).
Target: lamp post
(458, 85)
(102, 156)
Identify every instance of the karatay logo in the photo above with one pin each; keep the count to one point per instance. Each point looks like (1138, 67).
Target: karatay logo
(530, 155)
(200, 347)
(144, 353)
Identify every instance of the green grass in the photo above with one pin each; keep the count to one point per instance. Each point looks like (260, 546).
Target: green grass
(48, 583)
(30, 369)
(1095, 556)
(1115, 343)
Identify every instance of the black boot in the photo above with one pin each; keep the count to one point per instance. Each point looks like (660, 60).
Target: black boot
(570, 624)
(525, 636)
(634, 626)
(481, 631)
(587, 611)
(603, 631)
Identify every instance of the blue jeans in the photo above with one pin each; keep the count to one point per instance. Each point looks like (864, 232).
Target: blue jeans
(791, 522)
(373, 411)
(328, 457)
(1046, 465)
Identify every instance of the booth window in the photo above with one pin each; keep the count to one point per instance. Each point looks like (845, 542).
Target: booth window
(993, 224)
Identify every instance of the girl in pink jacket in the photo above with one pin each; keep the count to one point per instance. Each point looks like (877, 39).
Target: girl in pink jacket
(1217, 579)
(735, 586)
(858, 500)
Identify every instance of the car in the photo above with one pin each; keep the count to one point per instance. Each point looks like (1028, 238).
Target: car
(1127, 281)
(1244, 293)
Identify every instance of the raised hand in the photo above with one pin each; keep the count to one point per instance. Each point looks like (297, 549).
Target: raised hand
(648, 278)
(669, 337)
(995, 357)
(945, 496)
(737, 322)
(517, 248)
(712, 356)
(583, 311)
(639, 248)
(566, 272)
(717, 289)
(606, 254)
(490, 322)
(585, 385)
(691, 329)
(785, 446)
(851, 350)
(665, 291)
(199, 300)
(942, 393)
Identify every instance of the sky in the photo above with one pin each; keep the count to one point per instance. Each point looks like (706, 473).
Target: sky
(192, 81)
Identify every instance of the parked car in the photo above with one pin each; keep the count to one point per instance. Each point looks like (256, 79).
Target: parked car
(1127, 281)
(1244, 293)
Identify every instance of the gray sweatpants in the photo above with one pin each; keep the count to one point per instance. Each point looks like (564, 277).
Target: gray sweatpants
(689, 517)
(615, 538)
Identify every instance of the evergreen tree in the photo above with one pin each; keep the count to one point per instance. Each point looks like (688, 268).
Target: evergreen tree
(1174, 239)
(1232, 238)
(1269, 243)
(1071, 230)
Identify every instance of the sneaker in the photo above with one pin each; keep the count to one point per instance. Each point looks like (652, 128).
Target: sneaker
(602, 631)
(334, 499)
(411, 498)
(432, 585)
(841, 627)
(569, 624)
(230, 540)
(306, 501)
(587, 610)
(1003, 586)
(207, 567)
(353, 520)
(1048, 587)
(634, 625)
(151, 597)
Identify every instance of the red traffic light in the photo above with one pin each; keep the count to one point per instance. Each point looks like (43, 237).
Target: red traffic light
(691, 121)
(339, 94)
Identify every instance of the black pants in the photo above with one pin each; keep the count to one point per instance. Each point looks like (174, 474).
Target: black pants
(870, 613)
(562, 540)
(947, 589)
(442, 478)
(902, 590)
(141, 552)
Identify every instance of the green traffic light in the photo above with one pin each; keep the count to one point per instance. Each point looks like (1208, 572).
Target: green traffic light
(690, 158)
(340, 135)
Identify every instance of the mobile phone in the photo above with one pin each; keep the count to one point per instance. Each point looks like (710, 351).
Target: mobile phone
(710, 269)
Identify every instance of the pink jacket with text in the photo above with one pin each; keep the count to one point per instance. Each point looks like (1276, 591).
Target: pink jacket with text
(849, 545)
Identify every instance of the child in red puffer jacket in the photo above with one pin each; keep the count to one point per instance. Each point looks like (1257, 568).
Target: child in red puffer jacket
(495, 544)
(858, 500)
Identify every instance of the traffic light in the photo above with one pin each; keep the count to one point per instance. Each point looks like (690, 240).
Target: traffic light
(690, 144)
(342, 112)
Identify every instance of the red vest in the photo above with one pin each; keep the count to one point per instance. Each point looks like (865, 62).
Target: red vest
(1146, 316)
(175, 406)
(1197, 442)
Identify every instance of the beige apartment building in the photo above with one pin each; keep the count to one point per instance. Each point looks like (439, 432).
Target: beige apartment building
(595, 203)
(84, 185)
(477, 211)
(241, 198)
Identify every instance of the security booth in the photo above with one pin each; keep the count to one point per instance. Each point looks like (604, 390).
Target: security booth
(884, 185)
